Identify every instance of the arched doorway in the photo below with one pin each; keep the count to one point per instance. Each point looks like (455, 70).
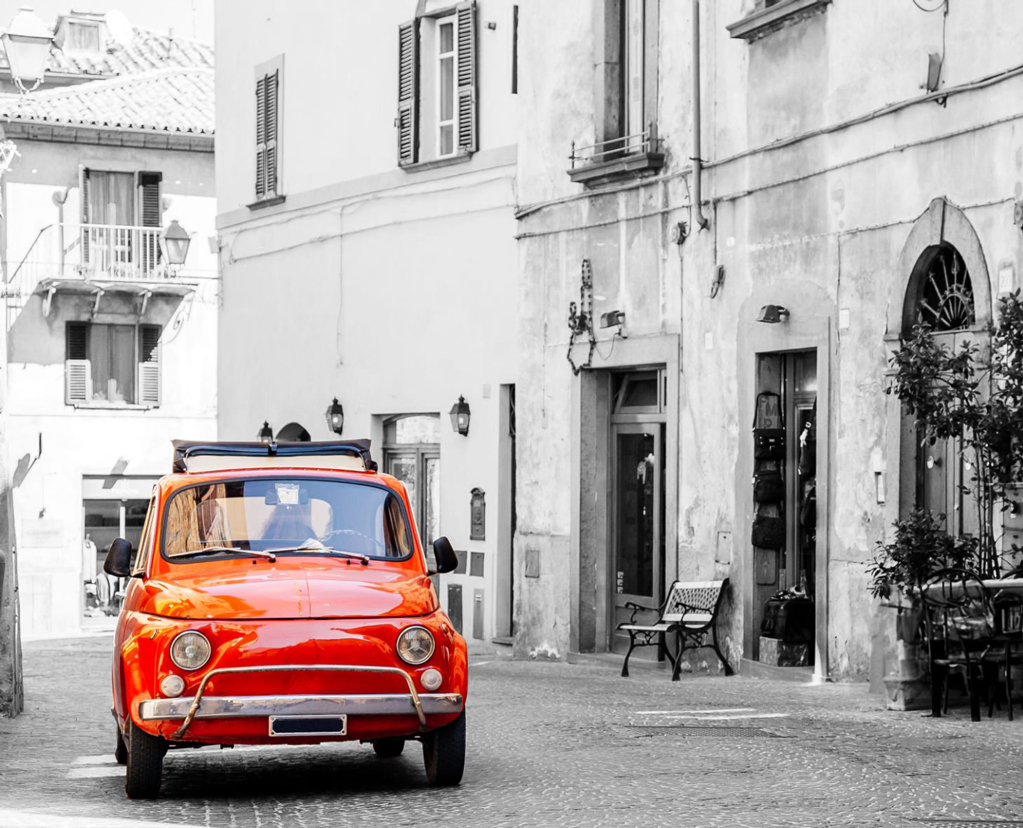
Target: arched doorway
(942, 283)
(293, 433)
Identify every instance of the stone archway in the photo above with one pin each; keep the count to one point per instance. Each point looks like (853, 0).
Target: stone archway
(942, 234)
(942, 223)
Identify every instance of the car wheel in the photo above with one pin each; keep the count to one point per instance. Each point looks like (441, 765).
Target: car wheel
(388, 748)
(120, 748)
(444, 753)
(145, 763)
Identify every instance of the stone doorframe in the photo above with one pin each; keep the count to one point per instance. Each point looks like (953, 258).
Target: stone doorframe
(941, 222)
(589, 572)
(807, 329)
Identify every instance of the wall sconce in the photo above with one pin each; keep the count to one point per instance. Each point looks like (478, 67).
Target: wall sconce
(27, 44)
(614, 319)
(335, 417)
(266, 434)
(176, 240)
(773, 314)
(460, 416)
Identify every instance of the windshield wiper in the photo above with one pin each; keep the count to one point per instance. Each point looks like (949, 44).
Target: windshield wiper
(259, 553)
(319, 547)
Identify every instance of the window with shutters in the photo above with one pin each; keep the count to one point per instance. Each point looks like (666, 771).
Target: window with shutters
(627, 142)
(122, 217)
(437, 117)
(268, 130)
(112, 365)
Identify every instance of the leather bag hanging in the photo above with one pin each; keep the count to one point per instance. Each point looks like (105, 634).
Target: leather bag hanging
(768, 531)
(768, 443)
(768, 486)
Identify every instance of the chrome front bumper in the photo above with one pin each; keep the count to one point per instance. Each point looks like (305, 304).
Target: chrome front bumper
(235, 707)
(241, 706)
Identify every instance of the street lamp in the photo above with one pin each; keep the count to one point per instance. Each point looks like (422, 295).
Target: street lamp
(335, 417)
(176, 240)
(460, 416)
(27, 43)
(266, 434)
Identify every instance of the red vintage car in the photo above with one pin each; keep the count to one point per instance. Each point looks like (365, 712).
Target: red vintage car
(280, 595)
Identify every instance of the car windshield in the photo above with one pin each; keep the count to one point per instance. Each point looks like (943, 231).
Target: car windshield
(286, 516)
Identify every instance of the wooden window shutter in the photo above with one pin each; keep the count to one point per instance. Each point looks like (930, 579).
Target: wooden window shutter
(272, 89)
(83, 194)
(467, 104)
(408, 93)
(152, 216)
(149, 365)
(77, 368)
(266, 135)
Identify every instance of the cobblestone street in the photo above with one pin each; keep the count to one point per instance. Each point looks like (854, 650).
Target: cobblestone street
(549, 744)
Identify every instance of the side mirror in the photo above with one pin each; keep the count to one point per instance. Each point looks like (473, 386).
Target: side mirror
(447, 560)
(118, 562)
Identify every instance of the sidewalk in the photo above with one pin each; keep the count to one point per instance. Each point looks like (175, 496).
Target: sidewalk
(550, 744)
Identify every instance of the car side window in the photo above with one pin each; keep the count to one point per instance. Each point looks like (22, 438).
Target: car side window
(146, 544)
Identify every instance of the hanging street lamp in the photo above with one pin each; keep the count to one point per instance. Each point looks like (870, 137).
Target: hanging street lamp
(176, 240)
(460, 416)
(266, 434)
(335, 417)
(27, 43)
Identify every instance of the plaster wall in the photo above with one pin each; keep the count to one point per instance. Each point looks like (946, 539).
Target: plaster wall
(51, 445)
(328, 137)
(817, 225)
(392, 290)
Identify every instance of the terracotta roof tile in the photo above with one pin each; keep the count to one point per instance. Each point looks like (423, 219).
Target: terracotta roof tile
(164, 100)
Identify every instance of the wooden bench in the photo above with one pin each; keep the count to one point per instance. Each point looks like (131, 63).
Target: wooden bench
(690, 612)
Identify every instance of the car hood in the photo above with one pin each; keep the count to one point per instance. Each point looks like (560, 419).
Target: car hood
(287, 590)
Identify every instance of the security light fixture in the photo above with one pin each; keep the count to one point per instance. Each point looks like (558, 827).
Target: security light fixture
(27, 43)
(176, 240)
(335, 415)
(460, 416)
(773, 314)
(266, 434)
(612, 318)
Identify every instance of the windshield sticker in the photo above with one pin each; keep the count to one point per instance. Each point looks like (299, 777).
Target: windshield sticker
(287, 494)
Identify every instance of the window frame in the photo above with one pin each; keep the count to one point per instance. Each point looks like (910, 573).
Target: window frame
(452, 56)
(263, 72)
(140, 330)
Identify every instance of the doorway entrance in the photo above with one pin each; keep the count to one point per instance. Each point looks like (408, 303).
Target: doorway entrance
(637, 494)
(412, 454)
(786, 572)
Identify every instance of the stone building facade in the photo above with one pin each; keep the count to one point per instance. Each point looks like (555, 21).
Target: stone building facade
(861, 162)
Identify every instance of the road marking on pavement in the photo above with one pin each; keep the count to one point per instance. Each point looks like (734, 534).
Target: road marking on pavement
(102, 759)
(730, 717)
(479, 663)
(678, 712)
(95, 772)
(28, 819)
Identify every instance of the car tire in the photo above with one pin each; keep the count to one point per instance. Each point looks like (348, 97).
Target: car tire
(145, 763)
(444, 753)
(120, 748)
(388, 748)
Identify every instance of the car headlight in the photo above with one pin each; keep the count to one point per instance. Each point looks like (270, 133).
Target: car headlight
(190, 650)
(415, 645)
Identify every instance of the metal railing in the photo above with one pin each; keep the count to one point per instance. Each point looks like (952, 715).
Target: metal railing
(87, 252)
(613, 148)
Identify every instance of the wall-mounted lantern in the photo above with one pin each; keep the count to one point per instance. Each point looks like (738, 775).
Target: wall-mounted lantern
(460, 416)
(772, 314)
(176, 240)
(266, 434)
(27, 43)
(335, 415)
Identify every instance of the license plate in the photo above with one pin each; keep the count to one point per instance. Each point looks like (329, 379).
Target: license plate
(308, 725)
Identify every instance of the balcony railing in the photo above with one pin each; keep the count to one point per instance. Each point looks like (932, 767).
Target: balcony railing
(91, 252)
(628, 156)
(614, 148)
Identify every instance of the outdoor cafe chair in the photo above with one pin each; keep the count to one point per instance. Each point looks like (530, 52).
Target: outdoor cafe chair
(1008, 607)
(961, 634)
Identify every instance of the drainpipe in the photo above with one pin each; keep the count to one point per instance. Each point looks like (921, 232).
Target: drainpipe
(697, 196)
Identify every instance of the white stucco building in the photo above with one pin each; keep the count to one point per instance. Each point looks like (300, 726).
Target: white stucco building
(367, 253)
(112, 349)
